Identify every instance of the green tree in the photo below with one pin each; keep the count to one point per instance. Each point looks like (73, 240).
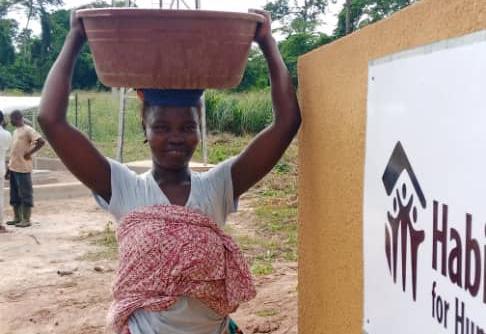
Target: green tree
(33, 8)
(364, 12)
(298, 44)
(22, 71)
(84, 72)
(7, 51)
(298, 17)
(256, 72)
(8, 29)
(298, 22)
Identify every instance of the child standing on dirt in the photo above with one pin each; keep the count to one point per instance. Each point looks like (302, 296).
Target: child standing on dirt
(179, 273)
(25, 142)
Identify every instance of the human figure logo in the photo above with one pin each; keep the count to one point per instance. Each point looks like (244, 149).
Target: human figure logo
(402, 218)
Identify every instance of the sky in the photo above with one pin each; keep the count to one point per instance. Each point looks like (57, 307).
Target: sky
(330, 19)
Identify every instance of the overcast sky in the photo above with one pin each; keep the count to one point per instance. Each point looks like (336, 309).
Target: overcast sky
(330, 18)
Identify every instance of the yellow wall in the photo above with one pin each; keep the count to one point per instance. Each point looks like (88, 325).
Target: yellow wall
(333, 90)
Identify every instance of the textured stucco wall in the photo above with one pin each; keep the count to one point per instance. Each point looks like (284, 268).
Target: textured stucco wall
(333, 91)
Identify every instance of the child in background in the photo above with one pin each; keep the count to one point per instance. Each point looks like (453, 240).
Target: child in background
(25, 142)
(178, 272)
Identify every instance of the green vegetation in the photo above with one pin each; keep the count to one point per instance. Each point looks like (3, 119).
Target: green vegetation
(276, 208)
(240, 113)
(364, 12)
(274, 217)
(106, 242)
(25, 58)
(266, 312)
(104, 123)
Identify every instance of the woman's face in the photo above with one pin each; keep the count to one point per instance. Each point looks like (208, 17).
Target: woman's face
(173, 135)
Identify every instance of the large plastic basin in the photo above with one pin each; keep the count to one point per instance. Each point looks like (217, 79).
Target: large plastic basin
(157, 48)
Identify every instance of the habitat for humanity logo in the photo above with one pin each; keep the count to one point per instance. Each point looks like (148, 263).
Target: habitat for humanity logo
(400, 230)
(457, 249)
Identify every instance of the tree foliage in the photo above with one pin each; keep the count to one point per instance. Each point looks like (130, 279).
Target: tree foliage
(8, 30)
(364, 12)
(25, 59)
(299, 16)
(33, 8)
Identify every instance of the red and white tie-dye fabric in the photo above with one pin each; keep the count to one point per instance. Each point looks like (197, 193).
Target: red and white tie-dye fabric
(167, 251)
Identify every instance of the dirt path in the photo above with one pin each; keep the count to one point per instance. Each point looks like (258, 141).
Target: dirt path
(49, 285)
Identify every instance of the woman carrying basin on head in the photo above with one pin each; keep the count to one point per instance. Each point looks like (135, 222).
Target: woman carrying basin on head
(179, 273)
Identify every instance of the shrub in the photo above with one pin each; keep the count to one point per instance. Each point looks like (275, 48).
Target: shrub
(244, 113)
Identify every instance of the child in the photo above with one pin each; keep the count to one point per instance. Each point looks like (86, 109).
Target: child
(25, 142)
(190, 206)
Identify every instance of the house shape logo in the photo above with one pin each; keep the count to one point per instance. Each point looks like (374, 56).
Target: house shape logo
(400, 228)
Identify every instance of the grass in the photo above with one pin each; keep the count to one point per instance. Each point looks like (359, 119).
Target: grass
(261, 268)
(266, 313)
(106, 242)
(274, 203)
(96, 115)
(13, 92)
(238, 113)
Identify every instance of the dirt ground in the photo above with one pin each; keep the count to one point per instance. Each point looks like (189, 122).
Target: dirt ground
(49, 285)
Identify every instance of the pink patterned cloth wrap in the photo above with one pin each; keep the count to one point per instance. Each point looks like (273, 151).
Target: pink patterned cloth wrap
(167, 251)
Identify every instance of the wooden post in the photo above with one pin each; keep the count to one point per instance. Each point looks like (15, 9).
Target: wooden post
(33, 118)
(90, 129)
(204, 135)
(121, 117)
(121, 126)
(204, 132)
(76, 110)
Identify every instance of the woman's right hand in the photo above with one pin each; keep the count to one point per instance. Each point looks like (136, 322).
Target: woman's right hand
(87, 163)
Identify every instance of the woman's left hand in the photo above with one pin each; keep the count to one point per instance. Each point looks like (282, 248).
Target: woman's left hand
(263, 34)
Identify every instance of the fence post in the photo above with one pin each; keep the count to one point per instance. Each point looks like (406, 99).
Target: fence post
(90, 134)
(204, 131)
(121, 125)
(76, 110)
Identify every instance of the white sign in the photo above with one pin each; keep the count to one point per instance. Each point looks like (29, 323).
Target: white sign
(425, 191)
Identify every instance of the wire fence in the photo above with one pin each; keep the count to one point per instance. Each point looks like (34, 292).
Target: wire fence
(96, 115)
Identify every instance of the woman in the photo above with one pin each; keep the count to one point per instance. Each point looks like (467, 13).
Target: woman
(171, 127)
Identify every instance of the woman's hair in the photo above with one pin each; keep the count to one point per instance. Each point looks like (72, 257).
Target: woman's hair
(185, 98)
(145, 107)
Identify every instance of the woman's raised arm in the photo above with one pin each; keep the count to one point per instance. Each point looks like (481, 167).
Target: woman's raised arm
(268, 146)
(75, 150)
